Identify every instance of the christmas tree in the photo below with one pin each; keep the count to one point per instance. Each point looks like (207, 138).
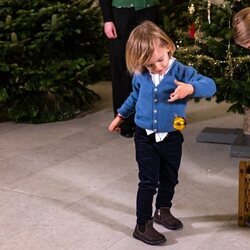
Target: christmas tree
(48, 50)
(205, 41)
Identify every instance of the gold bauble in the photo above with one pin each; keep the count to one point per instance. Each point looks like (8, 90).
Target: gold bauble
(179, 123)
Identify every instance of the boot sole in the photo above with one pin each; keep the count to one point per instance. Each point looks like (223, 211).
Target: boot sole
(153, 243)
(168, 227)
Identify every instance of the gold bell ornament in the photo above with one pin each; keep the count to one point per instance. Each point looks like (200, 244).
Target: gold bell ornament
(179, 123)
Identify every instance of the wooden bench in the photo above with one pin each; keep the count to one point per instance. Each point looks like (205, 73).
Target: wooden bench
(244, 194)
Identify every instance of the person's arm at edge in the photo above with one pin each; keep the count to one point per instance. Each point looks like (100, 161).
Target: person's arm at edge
(106, 8)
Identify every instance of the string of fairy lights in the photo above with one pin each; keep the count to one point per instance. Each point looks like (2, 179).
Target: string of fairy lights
(230, 63)
(226, 65)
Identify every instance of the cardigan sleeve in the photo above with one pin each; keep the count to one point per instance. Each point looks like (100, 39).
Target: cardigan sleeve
(106, 8)
(128, 107)
(203, 86)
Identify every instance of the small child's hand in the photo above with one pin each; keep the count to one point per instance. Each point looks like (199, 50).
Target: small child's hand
(114, 125)
(183, 89)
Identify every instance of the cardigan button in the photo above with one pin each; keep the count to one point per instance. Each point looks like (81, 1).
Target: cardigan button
(155, 121)
(155, 111)
(155, 100)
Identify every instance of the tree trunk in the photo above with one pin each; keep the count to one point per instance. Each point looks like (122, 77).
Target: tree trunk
(246, 122)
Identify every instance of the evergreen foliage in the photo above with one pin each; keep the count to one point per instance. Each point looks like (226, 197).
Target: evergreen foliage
(47, 52)
(212, 50)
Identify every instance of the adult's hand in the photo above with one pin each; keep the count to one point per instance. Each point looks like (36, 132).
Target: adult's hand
(110, 30)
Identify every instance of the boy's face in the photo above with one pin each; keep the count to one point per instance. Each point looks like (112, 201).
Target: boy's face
(159, 60)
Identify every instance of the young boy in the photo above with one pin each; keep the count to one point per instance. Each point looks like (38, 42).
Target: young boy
(161, 87)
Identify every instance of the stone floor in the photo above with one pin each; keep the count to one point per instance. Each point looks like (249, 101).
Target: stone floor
(72, 185)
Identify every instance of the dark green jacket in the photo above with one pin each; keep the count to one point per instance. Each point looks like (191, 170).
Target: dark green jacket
(137, 4)
(106, 6)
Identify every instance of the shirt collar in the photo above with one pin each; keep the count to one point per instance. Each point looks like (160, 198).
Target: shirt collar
(171, 61)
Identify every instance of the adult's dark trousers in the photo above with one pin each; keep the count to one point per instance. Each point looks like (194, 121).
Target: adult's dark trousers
(158, 164)
(125, 20)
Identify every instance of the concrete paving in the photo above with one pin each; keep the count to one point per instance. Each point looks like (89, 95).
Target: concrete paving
(72, 185)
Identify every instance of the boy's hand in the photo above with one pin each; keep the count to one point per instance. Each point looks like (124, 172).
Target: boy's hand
(183, 89)
(114, 125)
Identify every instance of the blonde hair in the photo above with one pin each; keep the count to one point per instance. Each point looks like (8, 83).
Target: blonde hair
(241, 27)
(141, 45)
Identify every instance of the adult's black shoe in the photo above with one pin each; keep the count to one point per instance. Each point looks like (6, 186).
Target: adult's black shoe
(127, 128)
(127, 134)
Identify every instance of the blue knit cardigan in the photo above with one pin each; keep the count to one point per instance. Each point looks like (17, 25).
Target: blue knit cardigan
(150, 103)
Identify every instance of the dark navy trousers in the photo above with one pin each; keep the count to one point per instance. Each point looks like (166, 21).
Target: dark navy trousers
(158, 164)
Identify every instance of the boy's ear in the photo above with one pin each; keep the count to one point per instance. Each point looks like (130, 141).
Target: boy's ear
(168, 49)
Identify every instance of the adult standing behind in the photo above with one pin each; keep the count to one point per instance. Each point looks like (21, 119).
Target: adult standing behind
(120, 17)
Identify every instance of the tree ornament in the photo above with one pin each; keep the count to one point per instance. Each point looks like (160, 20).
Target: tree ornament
(179, 123)
(191, 30)
(209, 11)
(198, 35)
(191, 9)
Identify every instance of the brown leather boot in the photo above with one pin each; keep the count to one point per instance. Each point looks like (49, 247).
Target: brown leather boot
(164, 217)
(148, 234)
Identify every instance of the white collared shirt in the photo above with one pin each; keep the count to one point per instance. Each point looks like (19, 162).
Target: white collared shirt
(156, 78)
